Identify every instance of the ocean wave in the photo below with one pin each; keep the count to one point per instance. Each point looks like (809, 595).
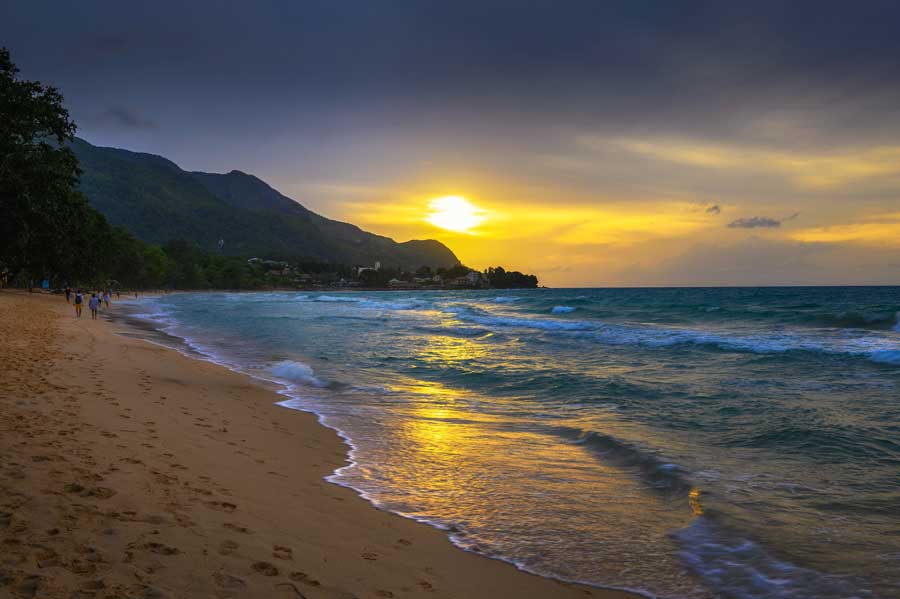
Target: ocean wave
(337, 298)
(661, 475)
(297, 372)
(879, 347)
(743, 569)
(381, 305)
(531, 323)
(562, 309)
(506, 299)
(876, 319)
(886, 356)
(839, 443)
(367, 302)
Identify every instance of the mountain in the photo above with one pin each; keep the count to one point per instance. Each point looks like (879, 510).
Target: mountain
(159, 202)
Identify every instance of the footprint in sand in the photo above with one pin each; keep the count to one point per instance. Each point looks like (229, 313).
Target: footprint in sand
(221, 506)
(369, 555)
(227, 547)
(237, 528)
(160, 549)
(93, 585)
(80, 566)
(228, 581)
(304, 578)
(265, 568)
(282, 552)
(101, 492)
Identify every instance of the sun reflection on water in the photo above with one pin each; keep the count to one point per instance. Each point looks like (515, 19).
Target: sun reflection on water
(454, 458)
(694, 501)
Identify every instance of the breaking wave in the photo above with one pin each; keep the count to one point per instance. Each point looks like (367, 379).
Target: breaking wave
(297, 372)
(877, 346)
(741, 568)
(661, 475)
(562, 309)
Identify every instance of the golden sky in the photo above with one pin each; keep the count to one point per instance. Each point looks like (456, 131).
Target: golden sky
(600, 143)
(677, 211)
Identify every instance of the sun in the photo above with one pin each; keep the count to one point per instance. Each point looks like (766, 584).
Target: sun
(454, 213)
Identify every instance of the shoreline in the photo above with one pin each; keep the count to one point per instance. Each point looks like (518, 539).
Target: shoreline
(144, 328)
(244, 510)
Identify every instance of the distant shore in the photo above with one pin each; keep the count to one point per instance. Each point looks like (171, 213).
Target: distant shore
(133, 471)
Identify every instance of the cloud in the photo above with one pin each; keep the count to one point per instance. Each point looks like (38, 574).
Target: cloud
(805, 170)
(756, 222)
(126, 118)
(715, 209)
(883, 229)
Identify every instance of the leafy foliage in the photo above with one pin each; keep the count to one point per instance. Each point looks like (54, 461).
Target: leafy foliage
(37, 176)
(500, 278)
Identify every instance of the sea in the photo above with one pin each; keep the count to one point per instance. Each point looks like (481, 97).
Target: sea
(681, 442)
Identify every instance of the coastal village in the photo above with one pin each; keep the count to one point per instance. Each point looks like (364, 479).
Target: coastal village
(285, 274)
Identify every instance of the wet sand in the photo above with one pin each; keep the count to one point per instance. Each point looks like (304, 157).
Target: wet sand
(132, 471)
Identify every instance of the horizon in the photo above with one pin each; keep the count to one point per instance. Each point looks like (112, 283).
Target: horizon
(694, 146)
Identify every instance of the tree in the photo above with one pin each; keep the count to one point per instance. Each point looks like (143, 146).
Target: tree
(451, 273)
(38, 177)
(500, 278)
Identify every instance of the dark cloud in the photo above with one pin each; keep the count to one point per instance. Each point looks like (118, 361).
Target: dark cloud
(715, 209)
(703, 61)
(469, 86)
(755, 222)
(120, 116)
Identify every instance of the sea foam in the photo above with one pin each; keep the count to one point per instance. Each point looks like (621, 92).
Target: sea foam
(742, 568)
(297, 372)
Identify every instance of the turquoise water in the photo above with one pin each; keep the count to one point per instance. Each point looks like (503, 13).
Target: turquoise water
(682, 442)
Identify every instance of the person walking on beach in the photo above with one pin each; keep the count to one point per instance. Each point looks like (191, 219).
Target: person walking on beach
(94, 305)
(106, 298)
(68, 294)
(79, 301)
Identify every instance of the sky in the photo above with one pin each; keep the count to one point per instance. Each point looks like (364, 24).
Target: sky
(597, 143)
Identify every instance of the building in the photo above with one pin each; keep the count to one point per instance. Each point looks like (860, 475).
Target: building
(473, 278)
(361, 269)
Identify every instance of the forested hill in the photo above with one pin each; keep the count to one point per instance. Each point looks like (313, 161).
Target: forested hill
(159, 202)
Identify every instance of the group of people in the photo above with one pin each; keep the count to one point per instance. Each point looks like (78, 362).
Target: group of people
(98, 298)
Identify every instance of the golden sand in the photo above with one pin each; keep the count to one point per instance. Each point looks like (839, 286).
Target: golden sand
(131, 471)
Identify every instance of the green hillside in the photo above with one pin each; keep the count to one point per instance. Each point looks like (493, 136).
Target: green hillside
(159, 202)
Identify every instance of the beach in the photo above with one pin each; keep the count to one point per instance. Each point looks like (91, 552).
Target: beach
(131, 470)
